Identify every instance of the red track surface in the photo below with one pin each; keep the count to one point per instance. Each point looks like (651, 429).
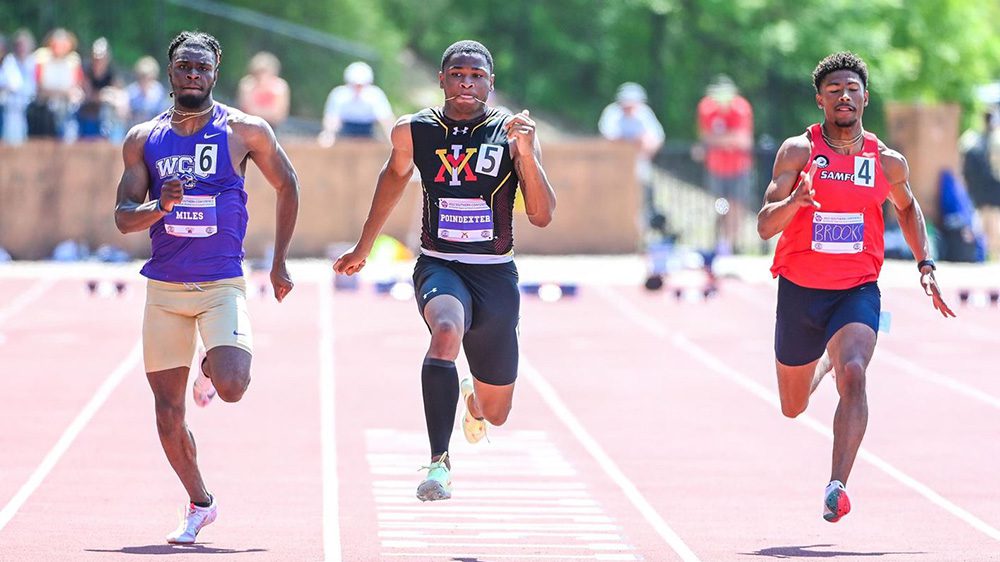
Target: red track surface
(643, 429)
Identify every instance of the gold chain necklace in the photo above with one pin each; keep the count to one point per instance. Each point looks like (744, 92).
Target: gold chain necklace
(188, 115)
(838, 143)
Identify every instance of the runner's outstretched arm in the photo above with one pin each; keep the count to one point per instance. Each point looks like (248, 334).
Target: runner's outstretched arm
(388, 191)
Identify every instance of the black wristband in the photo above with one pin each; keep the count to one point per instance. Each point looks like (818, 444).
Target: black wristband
(922, 263)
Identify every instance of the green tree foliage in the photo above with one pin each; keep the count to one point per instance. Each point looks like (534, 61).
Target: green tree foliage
(135, 29)
(568, 56)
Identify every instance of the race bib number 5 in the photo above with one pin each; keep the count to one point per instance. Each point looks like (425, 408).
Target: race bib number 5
(464, 220)
(838, 233)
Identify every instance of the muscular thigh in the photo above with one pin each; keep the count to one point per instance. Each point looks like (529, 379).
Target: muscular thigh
(491, 342)
(433, 278)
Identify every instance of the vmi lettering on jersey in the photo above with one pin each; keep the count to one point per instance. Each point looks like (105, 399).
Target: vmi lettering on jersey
(455, 163)
(836, 176)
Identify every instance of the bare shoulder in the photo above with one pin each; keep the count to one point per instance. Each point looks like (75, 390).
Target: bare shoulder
(135, 139)
(794, 152)
(894, 164)
(400, 135)
(403, 122)
(247, 127)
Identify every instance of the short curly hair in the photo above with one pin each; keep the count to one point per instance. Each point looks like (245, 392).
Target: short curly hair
(199, 38)
(843, 60)
(467, 46)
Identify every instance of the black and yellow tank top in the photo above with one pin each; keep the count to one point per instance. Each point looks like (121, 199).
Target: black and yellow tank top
(469, 185)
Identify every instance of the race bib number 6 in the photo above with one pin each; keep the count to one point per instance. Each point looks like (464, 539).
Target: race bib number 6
(205, 157)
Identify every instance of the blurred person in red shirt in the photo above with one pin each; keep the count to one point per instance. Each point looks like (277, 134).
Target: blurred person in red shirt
(263, 92)
(725, 127)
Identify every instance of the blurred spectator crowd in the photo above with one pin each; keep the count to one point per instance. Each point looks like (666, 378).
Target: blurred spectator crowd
(56, 91)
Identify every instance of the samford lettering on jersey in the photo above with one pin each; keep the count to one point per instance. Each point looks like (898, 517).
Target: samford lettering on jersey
(836, 176)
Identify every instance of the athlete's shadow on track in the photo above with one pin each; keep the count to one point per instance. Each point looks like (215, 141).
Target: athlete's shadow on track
(806, 552)
(199, 548)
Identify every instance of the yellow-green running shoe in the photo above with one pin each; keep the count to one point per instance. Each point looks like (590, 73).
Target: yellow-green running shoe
(473, 428)
(437, 485)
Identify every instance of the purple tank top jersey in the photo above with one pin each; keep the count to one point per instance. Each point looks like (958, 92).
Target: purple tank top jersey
(202, 238)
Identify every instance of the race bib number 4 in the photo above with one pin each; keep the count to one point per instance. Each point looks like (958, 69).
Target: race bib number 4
(464, 220)
(193, 217)
(838, 233)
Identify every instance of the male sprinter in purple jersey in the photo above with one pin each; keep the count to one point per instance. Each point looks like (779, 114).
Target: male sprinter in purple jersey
(472, 159)
(190, 162)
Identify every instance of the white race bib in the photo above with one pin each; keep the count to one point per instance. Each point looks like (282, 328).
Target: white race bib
(838, 233)
(193, 217)
(464, 220)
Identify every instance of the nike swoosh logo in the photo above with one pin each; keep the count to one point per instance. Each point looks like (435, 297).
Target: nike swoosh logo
(235, 333)
(208, 136)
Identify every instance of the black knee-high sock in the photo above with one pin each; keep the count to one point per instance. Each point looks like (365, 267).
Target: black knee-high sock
(439, 380)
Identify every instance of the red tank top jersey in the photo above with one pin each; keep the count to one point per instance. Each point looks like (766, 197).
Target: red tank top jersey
(841, 245)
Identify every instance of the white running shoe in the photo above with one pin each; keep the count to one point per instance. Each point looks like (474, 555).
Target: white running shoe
(195, 519)
(473, 428)
(835, 501)
(203, 390)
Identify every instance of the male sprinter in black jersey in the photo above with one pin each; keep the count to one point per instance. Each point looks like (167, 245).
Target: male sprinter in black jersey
(471, 159)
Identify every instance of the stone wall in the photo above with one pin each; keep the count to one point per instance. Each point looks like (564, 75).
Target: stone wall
(51, 192)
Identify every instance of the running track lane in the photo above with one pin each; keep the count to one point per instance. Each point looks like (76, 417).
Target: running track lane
(732, 477)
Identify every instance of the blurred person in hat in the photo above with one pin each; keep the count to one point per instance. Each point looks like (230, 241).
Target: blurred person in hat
(630, 119)
(353, 109)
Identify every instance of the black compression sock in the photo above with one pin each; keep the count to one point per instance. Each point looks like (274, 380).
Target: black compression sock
(439, 381)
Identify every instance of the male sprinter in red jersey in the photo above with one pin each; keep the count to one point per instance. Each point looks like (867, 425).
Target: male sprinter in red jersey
(472, 159)
(825, 198)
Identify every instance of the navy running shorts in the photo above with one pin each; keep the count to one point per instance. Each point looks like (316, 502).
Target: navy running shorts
(807, 318)
(491, 299)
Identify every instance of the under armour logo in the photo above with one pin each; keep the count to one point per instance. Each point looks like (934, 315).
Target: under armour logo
(459, 130)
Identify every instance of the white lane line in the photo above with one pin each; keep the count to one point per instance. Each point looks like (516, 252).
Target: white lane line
(483, 485)
(604, 537)
(605, 461)
(327, 430)
(489, 509)
(476, 556)
(74, 429)
(425, 544)
(927, 375)
(704, 356)
(905, 365)
(478, 516)
(26, 298)
(497, 526)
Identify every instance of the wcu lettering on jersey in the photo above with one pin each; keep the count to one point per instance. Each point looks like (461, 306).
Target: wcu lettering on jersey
(836, 176)
(174, 165)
